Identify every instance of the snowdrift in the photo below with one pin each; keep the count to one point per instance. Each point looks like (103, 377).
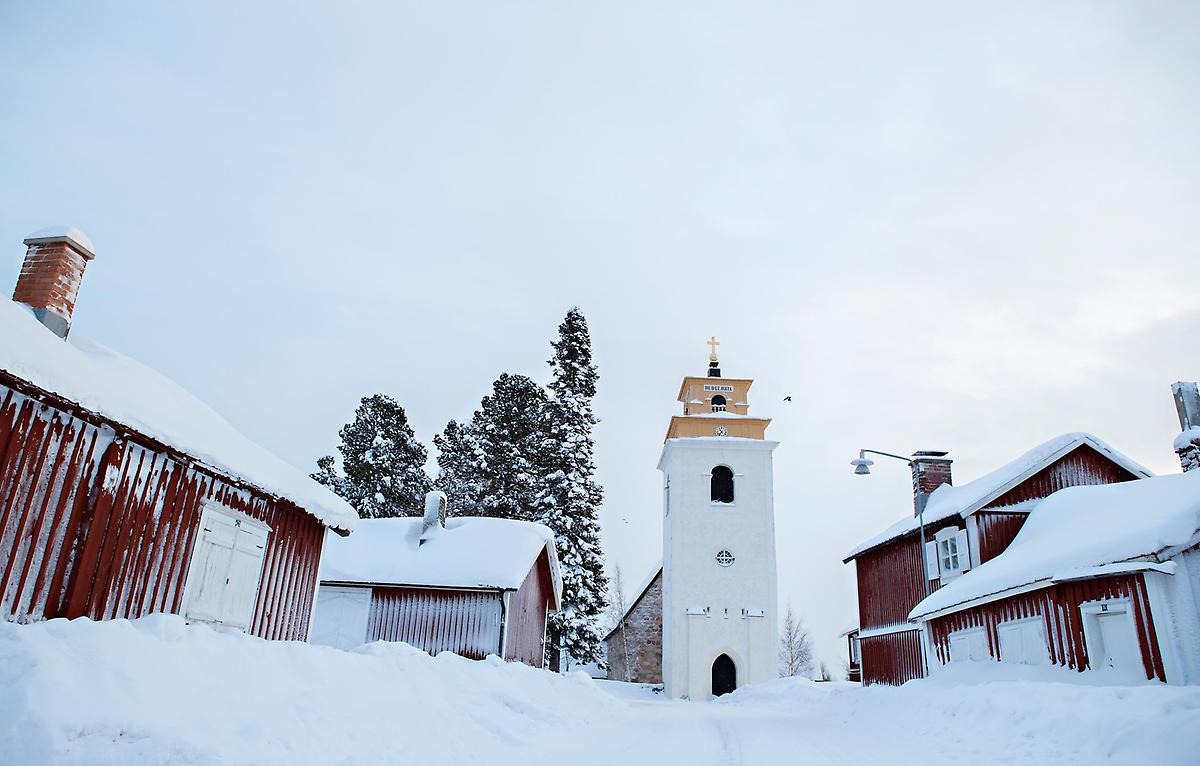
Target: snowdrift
(156, 690)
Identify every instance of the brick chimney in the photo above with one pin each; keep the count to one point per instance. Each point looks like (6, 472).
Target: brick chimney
(50, 277)
(930, 470)
(1187, 405)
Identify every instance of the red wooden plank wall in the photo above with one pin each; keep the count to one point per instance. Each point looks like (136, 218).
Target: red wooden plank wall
(890, 582)
(101, 525)
(526, 618)
(996, 531)
(465, 622)
(1058, 605)
(1081, 466)
(892, 658)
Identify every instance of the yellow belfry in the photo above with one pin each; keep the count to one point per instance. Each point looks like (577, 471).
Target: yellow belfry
(716, 406)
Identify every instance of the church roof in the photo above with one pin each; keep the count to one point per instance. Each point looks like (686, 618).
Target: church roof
(641, 591)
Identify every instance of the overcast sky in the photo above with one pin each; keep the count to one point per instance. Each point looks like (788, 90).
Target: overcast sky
(934, 226)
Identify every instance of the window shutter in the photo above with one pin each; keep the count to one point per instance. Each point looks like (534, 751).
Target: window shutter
(931, 561)
(964, 555)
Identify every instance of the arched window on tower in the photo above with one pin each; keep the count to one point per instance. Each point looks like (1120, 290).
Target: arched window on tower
(718, 403)
(722, 484)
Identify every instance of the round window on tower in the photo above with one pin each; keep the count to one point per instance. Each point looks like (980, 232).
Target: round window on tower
(724, 558)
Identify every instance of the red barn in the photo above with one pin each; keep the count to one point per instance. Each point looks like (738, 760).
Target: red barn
(965, 526)
(121, 494)
(472, 586)
(1097, 577)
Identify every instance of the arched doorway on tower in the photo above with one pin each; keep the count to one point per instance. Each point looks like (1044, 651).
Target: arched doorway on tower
(724, 675)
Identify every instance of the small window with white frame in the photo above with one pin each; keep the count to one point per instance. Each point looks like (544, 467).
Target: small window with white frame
(947, 555)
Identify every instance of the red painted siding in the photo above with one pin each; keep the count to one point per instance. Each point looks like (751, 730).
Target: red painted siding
(465, 622)
(890, 580)
(1081, 466)
(100, 523)
(892, 658)
(525, 621)
(996, 531)
(1058, 605)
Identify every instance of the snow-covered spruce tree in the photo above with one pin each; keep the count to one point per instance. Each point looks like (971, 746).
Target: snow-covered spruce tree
(382, 461)
(509, 438)
(796, 654)
(460, 468)
(569, 498)
(328, 475)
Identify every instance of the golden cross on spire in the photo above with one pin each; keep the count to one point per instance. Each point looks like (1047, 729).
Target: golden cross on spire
(713, 343)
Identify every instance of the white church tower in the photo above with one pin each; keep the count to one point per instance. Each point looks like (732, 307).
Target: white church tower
(720, 627)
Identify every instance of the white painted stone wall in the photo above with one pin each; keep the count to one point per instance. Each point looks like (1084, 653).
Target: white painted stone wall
(694, 530)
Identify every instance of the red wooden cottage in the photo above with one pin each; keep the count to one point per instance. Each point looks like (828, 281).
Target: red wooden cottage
(121, 494)
(1097, 577)
(472, 586)
(965, 526)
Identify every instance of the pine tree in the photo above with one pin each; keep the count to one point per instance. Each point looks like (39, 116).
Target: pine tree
(328, 475)
(383, 463)
(508, 432)
(569, 498)
(460, 468)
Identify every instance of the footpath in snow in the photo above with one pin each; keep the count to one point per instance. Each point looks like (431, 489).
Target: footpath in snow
(158, 691)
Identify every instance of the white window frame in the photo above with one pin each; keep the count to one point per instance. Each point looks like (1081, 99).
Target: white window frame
(980, 637)
(240, 520)
(945, 537)
(1020, 627)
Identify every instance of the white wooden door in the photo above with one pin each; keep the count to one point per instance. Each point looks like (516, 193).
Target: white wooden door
(1119, 644)
(223, 577)
(341, 616)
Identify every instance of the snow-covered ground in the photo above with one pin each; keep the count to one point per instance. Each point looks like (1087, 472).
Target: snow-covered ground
(157, 691)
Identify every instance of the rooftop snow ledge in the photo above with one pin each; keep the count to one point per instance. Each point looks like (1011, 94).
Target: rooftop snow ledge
(120, 389)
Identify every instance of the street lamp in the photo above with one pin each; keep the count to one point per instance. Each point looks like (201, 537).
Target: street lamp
(862, 467)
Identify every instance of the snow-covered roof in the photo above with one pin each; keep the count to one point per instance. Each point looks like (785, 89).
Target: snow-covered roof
(963, 500)
(632, 601)
(76, 236)
(121, 389)
(1082, 532)
(467, 553)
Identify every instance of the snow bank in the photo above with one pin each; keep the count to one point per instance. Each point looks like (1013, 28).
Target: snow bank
(117, 387)
(962, 500)
(1077, 529)
(468, 553)
(980, 717)
(156, 691)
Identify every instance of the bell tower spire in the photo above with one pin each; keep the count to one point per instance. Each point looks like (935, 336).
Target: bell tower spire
(714, 369)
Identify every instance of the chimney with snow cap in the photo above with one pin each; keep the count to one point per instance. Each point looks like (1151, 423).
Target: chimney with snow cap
(50, 276)
(930, 470)
(435, 515)
(1187, 405)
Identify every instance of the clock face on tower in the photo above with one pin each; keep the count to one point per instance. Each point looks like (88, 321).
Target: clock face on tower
(722, 431)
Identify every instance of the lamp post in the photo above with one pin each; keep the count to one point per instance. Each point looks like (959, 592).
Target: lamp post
(862, 467)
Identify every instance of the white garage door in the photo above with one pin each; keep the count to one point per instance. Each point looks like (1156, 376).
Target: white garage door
(341, 617)
(1023, 641)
